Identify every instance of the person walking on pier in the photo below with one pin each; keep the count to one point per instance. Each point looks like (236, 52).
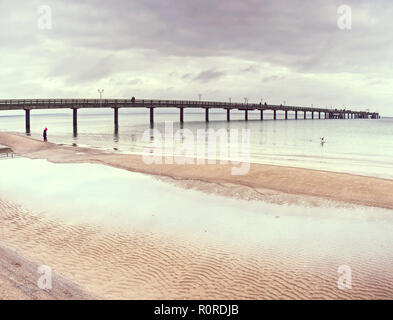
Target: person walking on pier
(45, 135)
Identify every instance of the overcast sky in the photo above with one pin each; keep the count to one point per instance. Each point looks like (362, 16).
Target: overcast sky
(291, 51)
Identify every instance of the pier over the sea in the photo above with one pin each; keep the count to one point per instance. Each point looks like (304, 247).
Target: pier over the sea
(34, 104)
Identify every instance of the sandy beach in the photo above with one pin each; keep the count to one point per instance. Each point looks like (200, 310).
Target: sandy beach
(361, 190)
(134, 265)
(18, 280)
(149, 265)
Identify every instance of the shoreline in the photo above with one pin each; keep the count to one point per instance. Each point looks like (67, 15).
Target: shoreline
(279, 180)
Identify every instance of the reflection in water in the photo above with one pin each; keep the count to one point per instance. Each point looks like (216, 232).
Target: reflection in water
(116, 135)
(116, 131)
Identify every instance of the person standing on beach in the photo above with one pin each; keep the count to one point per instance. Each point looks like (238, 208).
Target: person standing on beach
(45, 135)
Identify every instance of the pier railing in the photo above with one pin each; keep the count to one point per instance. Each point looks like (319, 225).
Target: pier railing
(15, 104)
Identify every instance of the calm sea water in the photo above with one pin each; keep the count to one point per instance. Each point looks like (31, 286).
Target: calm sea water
(354, 146)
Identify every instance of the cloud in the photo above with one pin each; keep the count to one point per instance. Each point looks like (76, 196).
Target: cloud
(272, 78)
(80, 67)
(303, 35)
(251, 68)
(247, 47)
(208, 75)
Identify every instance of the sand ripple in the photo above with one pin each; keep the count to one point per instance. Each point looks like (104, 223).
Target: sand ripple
(138, 265)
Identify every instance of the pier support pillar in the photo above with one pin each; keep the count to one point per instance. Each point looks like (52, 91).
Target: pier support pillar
(296, 115)
(312, 114)
(207, 114)
(228, 114)
(75, 121)
(27, 115)
(274, 114)
(151, 116)
(305, 114)
(319, 115)
(261, 114)
(181, 115)
(246, 115)
(116, 119)
(116, 116)
(325, 115)
(286, 114)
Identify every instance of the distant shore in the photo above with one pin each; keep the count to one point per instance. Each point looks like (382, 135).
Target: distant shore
(342, 187)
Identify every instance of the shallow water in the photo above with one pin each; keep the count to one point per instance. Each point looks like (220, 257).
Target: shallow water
(355, 146)
(124, 199)
(160, 241)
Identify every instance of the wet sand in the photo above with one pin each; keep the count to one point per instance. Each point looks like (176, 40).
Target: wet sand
(18, 280)
(361, 190)
(113, 264)
(134, 265)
